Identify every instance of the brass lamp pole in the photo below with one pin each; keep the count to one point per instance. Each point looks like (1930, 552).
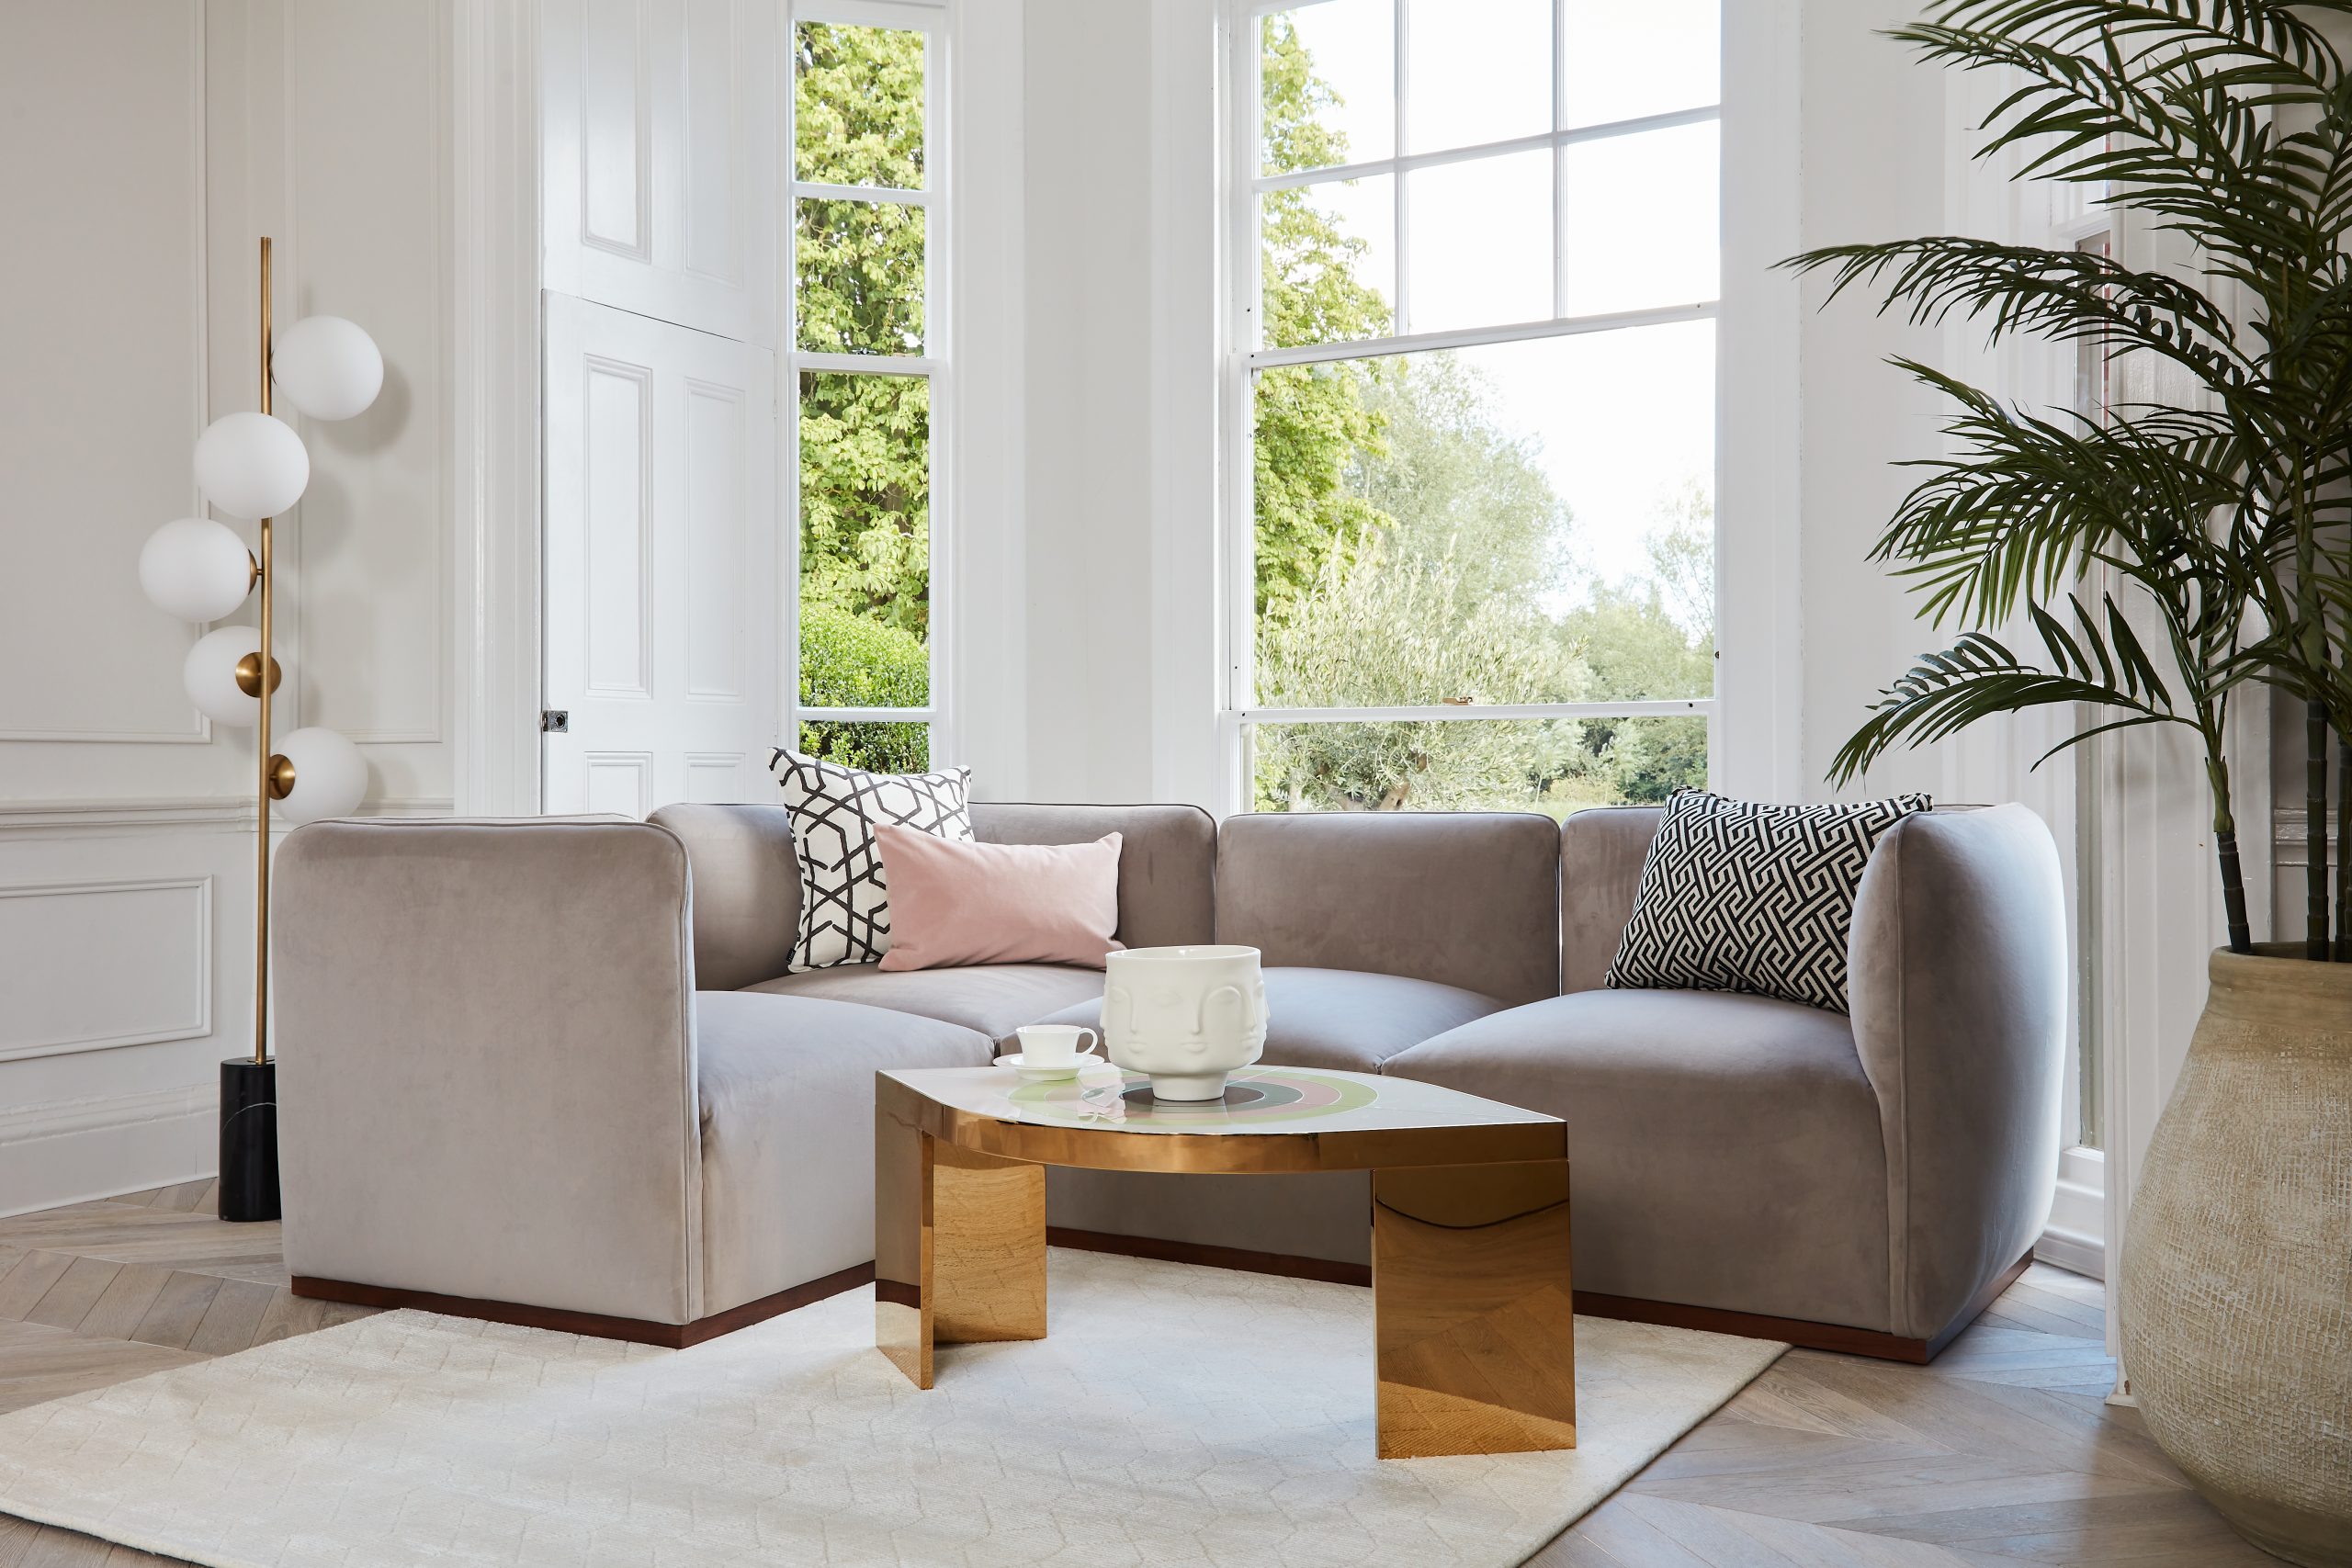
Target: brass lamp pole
(249, 1089)
(263, 569)
(276, 772)
(199, 570)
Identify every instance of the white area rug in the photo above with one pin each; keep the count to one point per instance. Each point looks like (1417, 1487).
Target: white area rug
(1176, 1415)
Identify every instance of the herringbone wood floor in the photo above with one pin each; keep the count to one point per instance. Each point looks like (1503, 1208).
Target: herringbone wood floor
(2001, 1453)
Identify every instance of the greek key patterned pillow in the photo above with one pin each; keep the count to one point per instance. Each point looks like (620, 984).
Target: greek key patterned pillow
(1739, 896)
(844, 904)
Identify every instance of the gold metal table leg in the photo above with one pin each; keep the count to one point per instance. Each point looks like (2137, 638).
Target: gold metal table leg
(902, 1242)
(959, 1246)
(1473, 1314)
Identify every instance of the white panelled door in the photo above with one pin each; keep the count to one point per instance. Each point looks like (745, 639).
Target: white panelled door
(662, 589)
(659, 157)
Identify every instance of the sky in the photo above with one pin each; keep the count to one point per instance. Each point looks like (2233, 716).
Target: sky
(1619, 420)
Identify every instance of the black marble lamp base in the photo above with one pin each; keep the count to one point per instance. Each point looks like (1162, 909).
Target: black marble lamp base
(248, 1139)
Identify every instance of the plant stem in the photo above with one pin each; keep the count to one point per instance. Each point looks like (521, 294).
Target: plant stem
(2344, 849)
(2225, 838)
(2315, 943)
(2225, 841)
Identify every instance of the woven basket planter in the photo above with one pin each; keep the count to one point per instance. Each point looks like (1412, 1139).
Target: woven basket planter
(2237, 1289)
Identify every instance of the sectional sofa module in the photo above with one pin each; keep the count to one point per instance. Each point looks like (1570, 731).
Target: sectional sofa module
(552, 1070)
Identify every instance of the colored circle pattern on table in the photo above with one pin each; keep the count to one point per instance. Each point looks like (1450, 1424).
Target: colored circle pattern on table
(1253, 1096)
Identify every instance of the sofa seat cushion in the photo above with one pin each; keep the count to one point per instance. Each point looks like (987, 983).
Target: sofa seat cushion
(995, 998)
(1341, 1019)
(1723, 1150)
(786, 1102)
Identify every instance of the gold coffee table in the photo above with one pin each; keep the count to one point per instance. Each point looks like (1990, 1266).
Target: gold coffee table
(1473, 1320)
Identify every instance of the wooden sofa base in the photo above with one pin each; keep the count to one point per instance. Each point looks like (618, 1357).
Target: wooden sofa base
(596, 1324)
(678, 1336)
(1631, 1309)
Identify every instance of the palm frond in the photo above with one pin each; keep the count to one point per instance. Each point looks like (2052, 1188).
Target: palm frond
(2027, 503)
(2062, 295)
(2265, 31)
(2162, 104)
(1978, 677)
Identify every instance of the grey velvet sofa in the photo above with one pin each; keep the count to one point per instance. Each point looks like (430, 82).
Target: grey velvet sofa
(551, 1070)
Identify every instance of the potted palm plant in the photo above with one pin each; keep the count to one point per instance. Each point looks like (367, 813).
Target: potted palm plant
(2220, 519)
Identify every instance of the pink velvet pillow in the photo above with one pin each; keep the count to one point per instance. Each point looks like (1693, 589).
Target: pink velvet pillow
(965, 903)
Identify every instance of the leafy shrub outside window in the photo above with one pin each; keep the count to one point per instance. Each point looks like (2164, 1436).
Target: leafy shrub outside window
(848, 661)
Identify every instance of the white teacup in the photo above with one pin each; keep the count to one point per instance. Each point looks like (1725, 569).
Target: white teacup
(1053, 1045)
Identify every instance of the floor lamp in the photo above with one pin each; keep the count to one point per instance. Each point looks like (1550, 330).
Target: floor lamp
(253, 467)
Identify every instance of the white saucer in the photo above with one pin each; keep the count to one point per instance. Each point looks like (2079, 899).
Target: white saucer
(1047, 1075)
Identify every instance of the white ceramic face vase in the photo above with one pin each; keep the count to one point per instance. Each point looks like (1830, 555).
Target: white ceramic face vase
(1186, 1015)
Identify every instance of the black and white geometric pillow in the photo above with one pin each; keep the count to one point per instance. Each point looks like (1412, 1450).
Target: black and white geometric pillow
(844, 904)
(1739, 896)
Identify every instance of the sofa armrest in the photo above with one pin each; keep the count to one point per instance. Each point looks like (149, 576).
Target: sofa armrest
(1958, 987)
(486, 1063)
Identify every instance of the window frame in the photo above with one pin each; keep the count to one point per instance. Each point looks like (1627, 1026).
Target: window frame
(2085, 223)
(1244, 354)
(935, 363)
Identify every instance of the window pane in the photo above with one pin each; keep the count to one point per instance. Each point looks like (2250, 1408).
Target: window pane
(857, 105)
(1476, 71)
(1526, 522)
(1329, 261)
(1621, 61)
(1641, 220)
(865, 540)
(858, 269)
(876, 747)
(1327, 85)
(1479, 242)
(1554, 766)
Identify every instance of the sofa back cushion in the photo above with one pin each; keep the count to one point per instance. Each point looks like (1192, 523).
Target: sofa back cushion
(1167, 860)
(746, 890)
(1464, 898)
(1601, 852)
(747, 885)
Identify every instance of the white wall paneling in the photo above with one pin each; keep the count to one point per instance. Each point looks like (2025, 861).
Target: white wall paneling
(128, 976)
(140, 951)
(660, 127)
(147, 145)
(987, 557)
(367, 226)
(1187, 147)
(100, 99)
(1090, 394)
(1756, 743)
(661, 623)
(495, 404)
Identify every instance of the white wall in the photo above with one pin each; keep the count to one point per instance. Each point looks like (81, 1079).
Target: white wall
(1090, 378)
(144, 145)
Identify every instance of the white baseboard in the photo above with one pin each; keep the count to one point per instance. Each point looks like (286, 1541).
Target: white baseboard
(74, 1151)
(2074, 1240)
(2074, 1252)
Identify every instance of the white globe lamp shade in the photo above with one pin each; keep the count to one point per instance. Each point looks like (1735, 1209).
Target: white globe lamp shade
(210, 676)
(330, 776)
(196, 568)
(327, 367)
(251, 465)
